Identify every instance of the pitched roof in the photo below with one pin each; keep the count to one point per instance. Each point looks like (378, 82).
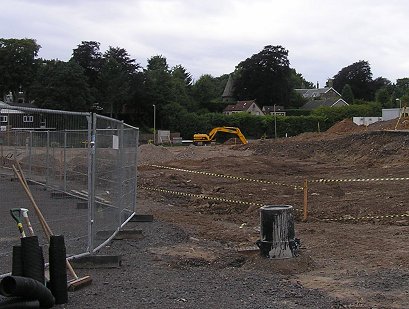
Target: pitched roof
(228, 89)
(313, 104)
(271, 109)
(312, 93)
(3, 105)
(239, 106)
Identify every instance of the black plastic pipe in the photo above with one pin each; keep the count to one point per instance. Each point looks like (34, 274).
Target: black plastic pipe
(17, 262)
(33, 259)
(58, 269)
(27, 288)
(19, 303)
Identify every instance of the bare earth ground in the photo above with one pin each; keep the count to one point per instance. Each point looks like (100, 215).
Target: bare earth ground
(354, 250)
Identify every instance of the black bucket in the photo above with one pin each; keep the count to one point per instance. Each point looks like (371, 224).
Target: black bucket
(277, 235)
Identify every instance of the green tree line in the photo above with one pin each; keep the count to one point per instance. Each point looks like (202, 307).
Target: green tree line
(119, 86)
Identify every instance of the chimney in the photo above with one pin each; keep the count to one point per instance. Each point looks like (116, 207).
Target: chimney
(318, 85)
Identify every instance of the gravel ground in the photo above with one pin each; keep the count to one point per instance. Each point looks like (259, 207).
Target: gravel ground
(149, 278)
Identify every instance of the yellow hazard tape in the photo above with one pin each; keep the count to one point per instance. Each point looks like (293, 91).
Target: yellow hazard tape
(361, 179)
(226, 176)
(347, 218)
(204, 197)
(201, 196)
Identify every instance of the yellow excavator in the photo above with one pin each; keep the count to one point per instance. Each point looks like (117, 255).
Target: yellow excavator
(202, 139)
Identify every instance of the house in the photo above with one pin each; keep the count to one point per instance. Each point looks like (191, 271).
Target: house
(318, 97)
(20, 116)
(277, 110)
(243, 107)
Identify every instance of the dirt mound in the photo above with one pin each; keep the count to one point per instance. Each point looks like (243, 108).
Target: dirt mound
(150, 153)
(373, 147)
(345, 126)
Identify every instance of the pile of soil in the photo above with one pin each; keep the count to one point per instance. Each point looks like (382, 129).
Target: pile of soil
(345, 126)
(149, 153)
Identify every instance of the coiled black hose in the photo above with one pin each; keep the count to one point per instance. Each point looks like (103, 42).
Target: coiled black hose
(27, 288)
(19, 303)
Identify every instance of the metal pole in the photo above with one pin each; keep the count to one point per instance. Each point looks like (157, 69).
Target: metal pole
(91, 179)
(275, 122)
(65, 161)
(29, 153)
(154, 124)
(136, 171)
(120, 172)
(47, 175)
(400, 106)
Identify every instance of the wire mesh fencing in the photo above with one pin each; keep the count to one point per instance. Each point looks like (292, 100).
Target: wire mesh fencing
(81, 170)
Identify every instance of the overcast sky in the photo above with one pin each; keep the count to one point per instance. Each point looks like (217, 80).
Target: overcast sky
(213, 36)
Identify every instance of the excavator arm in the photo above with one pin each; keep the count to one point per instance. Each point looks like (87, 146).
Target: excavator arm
(207, 138)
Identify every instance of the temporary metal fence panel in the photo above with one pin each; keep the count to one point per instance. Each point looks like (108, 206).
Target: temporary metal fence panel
(39, 140)
(115, 176)
(81, 169)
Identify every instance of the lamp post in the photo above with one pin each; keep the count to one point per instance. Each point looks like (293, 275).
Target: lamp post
(154, 124)
(400, 106)
(275, 121)
(400, 102)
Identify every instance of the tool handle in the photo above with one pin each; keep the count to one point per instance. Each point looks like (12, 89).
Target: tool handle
(29, 226)
(13, 212)
(44, 225)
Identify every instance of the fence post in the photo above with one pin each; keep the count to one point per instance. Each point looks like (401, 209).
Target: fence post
(65, 160)
(30, 148)
(91, 179)
(15, 144)
(135, 185)
(47, 163)
(305, 187)
(120, 171)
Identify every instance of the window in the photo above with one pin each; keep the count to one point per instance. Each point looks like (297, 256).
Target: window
(28, 118)
(3, 118)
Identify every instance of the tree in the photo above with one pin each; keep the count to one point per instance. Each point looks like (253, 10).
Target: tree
(182, 88)
(61, 85)
(17, 64)
(383, 96)
(402, 87)
(115, 81)
(157, 85)
(359, 76)
(122, 57)
(89, 57)
(265, 76)
(180, 73)
(298, 81)
(347, 94)
(114, 87)
(205, 90)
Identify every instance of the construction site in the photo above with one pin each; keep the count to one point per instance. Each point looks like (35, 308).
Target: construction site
(347, 189)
